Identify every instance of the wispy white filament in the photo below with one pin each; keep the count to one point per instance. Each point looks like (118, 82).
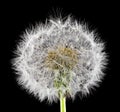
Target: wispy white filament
(34, 46)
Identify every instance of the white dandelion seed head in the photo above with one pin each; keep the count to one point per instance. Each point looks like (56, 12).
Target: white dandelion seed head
(38, 43)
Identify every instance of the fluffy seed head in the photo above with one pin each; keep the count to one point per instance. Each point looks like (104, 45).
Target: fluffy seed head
(59, 56)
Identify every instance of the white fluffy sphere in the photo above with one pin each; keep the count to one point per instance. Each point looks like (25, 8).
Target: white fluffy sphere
(35, 45)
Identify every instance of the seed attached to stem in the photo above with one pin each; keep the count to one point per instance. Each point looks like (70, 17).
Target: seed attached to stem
(61, 58)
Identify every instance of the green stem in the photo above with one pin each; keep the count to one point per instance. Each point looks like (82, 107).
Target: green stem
(62, 103)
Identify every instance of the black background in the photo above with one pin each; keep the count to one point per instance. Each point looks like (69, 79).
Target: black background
(102, 16)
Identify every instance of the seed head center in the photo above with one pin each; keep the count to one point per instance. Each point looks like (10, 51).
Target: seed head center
(62, 57)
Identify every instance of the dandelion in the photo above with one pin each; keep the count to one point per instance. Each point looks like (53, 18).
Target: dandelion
(58, 59)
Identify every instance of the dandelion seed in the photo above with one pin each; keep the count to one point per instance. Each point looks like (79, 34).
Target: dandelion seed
(59, 59)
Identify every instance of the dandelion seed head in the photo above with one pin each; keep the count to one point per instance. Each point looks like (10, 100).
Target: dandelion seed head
(59, 56)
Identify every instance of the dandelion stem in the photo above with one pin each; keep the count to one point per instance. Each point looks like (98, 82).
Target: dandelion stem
(62, 103)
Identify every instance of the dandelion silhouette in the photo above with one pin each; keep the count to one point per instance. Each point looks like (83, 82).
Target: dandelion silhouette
(58, 59)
